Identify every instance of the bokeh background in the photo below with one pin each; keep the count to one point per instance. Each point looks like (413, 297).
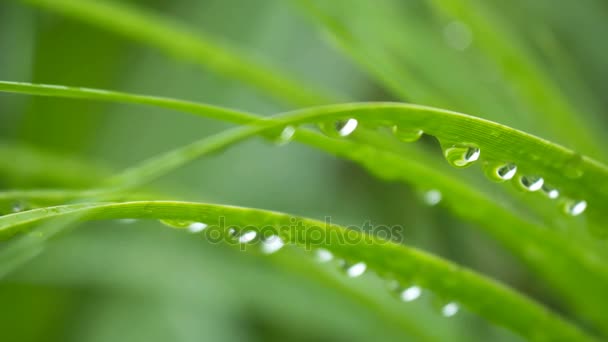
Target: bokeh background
(108, 281)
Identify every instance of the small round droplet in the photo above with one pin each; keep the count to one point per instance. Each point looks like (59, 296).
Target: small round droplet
(575, 208)
(461, 156)
(550, 191)
(177, 224)
(432, 197)
(531, 183)
(500, 172)
(410, 294)
(18, 207)
(248, 236)
(339, 129)
(407, 134)
(196, 227)
(272, 244)
(450, 309)
(355, 270)
(286, 135)
(323, 255)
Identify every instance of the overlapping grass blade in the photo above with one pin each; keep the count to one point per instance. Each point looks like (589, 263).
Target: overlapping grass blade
(401, 263)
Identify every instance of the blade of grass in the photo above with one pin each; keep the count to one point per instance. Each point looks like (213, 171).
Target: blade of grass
(531, 242)
(479, 294)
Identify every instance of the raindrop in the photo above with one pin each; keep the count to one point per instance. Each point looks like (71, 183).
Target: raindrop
(531, 183)
(575, 208)
(450, 309)
(248, 236)
(461, 155)
(18, 207)
(323, 255)
(196, 227)
(177, 224)
(550, 191)
(410, 294)
(341, 128)
(432, 197)
(127, 221)
(500, 172)
(407, 134)
(355, 270)
(285, 136)
(272, 244)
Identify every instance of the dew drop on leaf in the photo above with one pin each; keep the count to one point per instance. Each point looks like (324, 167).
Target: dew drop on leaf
(272, 244)
(550, 191)
(531, 183)
(127, 221)
(500, 172)
(323, 255)
(450, 309)
(340, 128)
(432, 197)
(286, 135)
(176, 224)
(406, 134)
(410, 294)
(18, 207)
(248, 236)
(574, 208)
(461, 156)
(355, 270)
(196, 227)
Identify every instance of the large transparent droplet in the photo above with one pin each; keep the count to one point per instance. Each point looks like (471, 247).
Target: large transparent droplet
(196, 227)
(461, 156)
(406, 134)
(286, 135)
(450, 309)
(550, 191)
(575, 208)
(272, 244)
(500, 172)
(355, 270)
(531, 183)
(340, 128)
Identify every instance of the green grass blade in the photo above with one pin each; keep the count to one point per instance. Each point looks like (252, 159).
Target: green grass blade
(479, 294)
(527, 239)
(195, 47)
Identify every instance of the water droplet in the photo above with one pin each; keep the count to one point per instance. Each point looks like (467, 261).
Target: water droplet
(432, 197)
(461, 155)
(196, 227)
(285, 136)
(550, 191)
(248, 236)
(410, 294)
(575, 208)
(531, 183)
(177, 224)
(341, 128)
(355, 270)
(500, 172)
(127, 221)
(18, 207)
(407, 134)
(323, 255)
(272, 244)
(450, 309)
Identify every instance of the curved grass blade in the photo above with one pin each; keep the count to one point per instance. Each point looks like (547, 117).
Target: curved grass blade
(178, 41)
(479, 294)
(531, 242)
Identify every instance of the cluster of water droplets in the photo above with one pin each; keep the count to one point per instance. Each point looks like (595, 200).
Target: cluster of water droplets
(411, 292)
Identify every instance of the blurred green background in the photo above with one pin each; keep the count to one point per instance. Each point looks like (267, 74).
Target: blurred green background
(109, 281)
